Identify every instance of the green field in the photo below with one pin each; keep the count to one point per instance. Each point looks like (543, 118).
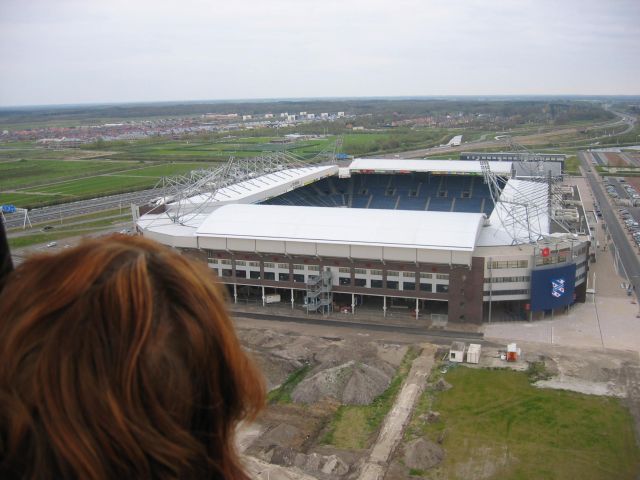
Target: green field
(495, 421)
(24, 173)
(32, 176)
(32, 183)
(213, 150)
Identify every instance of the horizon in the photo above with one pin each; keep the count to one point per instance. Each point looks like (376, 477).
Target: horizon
(479, 98)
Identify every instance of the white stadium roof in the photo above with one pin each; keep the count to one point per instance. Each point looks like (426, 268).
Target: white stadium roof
(251, 190)
(383, 165)
(392, 228)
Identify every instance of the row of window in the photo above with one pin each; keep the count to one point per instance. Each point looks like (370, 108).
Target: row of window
(507, 279)
(508, 264)
(343, 281)
(524, 291)
(551, 259)
(316, 268)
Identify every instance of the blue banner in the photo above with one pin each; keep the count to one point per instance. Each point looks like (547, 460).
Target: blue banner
(552, 287)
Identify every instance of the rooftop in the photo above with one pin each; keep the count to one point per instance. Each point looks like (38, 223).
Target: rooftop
(391, 228)
(384, 165)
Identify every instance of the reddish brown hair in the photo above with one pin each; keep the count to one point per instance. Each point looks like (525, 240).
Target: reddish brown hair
(118, 360)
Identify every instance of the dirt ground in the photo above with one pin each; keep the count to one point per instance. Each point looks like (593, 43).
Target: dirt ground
(615, 160)
(289, 435)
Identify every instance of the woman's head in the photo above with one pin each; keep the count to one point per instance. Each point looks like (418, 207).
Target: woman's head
(118, 359)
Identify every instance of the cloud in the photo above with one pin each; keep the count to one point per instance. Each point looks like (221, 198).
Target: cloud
(72, 51)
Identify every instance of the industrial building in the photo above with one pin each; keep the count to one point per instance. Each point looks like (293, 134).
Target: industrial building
(468, 241)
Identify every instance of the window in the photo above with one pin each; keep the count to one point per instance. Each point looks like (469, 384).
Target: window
(240, 263)
(409, 274)
(254, 264)
(298, 278)
(269, 265)
(360, 271)
(241, 274)
(344, 270)
(510, 292)
(392, 284)
(426, 275)
(426, 287)
(345, 281)
(254, 274)
(298, 267)
(314, 268)
(376, 283)
(507, 279)
(226, 272)
(509, 264)
(442, 276)
(283, 266)
(442, 288)
(283, 277)
(225, 262)
(376, 272)
(408, 286)
(360, 282)
(269, 276)
(392, 273)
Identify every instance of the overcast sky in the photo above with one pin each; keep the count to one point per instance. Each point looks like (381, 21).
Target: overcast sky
(92, 51)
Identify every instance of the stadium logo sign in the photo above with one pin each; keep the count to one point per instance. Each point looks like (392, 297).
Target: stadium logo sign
(557, 287)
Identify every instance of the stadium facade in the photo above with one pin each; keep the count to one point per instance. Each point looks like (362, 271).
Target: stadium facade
(435, 236)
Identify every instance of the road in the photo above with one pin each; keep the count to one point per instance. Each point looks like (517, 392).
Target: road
(628, 257)
(82, 207)
(441, 337)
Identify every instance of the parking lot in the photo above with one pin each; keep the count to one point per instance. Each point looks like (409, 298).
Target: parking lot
(627, 201)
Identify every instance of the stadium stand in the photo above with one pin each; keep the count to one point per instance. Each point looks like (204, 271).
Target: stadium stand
(416, 191)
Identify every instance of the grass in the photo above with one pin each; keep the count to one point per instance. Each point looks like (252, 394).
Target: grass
(31, 181)
(354, 426)
(24, 173)
(282, 394)
(572, 165)
(495, 420)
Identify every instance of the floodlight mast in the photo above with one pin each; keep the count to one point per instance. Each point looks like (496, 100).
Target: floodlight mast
(513, 212)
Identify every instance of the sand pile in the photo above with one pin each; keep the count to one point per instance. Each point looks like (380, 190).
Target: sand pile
(352, 383)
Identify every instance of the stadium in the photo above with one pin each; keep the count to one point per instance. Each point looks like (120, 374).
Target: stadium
(454, 240)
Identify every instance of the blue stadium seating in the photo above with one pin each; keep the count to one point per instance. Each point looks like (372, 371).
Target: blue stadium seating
(415, 191)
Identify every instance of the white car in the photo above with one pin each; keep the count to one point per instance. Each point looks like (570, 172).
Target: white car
(51, 244)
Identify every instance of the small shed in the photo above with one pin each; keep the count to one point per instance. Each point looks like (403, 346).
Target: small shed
(456, 352)
(473, 353)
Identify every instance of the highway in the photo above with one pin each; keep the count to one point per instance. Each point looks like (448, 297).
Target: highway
(82, 207)
(628, 256)
(623, 118)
